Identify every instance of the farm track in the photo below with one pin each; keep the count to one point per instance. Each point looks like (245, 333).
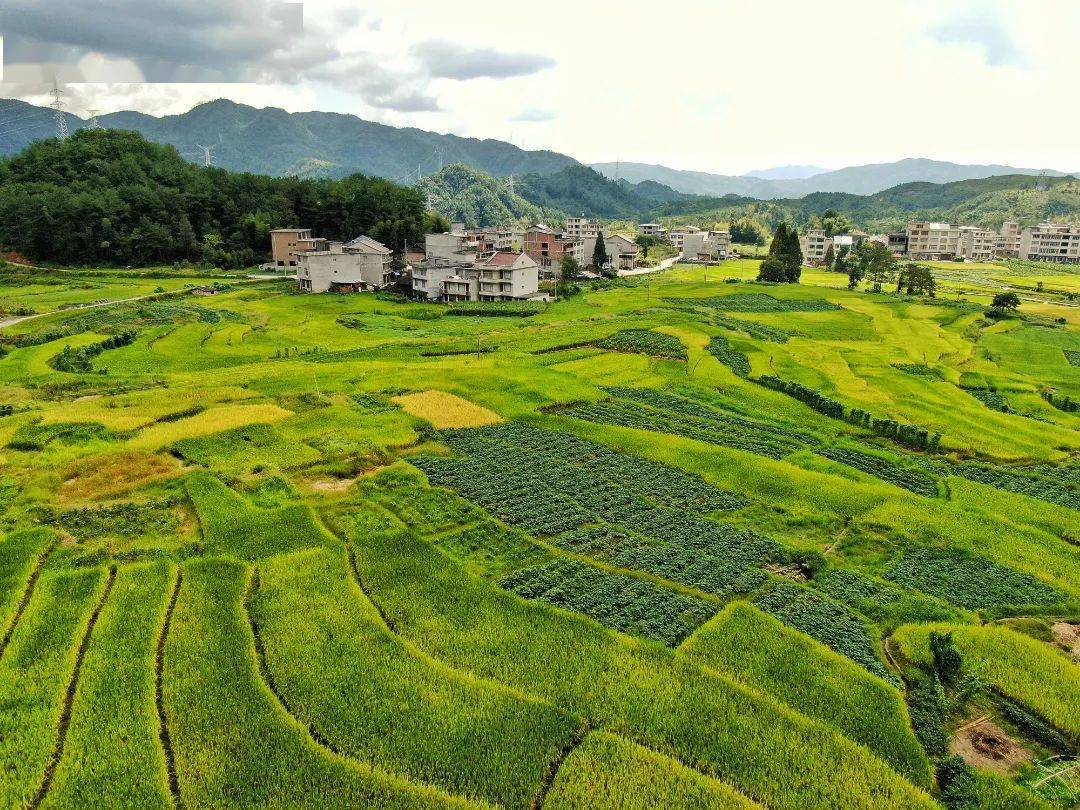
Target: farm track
(268, 677)
(575, 740)
(28, 592)
(159, 697)
(69, 695)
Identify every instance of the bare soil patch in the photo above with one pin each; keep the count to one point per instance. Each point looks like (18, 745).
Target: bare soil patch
(1068, 637)
(984, 744)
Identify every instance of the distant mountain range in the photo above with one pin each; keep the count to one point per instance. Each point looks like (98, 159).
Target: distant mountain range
(275, 142)
(864, 180)
(786, 172)
(272, 141)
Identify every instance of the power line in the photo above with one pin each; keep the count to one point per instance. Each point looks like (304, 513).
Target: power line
(58, 112)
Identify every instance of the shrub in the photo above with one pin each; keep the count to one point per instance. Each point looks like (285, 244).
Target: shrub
(947, 659)
(496, 309)
(815, 399)
(926, 706)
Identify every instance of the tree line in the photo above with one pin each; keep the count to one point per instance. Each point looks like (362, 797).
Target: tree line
(113, 198)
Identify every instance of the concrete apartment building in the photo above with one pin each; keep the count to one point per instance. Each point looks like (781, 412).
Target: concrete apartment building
(288, 243)
(676, 235)
(706, 246)
(453, 271)
(933, 241)
(1050, 242)
(581, 228)
(362, 264)
(977, 244)
(1007, 244)
(490, 240)
(652, 229)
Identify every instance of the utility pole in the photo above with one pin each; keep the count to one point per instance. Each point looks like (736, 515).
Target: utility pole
(58, 112)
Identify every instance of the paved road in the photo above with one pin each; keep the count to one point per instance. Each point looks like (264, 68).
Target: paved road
(666, 264)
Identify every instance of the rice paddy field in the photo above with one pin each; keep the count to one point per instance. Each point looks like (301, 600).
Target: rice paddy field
(684, 540)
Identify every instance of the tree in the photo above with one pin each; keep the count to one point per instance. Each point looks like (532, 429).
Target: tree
(600, 256)
(644, 241)
(792, 257)
(1006, 301)
(947, 659)
(876, 264)
(830, 257)
(746, 232)
(569, 266)
(772, 269)
(916, 279)
(786, 250)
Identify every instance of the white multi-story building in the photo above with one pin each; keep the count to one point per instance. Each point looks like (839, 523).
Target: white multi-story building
(1050, 242)
(362, 264)
(581, 228)
(651, 229)
(507, 276)
(933, 241)
(815, 245)
(449, 247)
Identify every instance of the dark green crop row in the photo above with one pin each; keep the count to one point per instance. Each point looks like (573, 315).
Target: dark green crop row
(917, 370)
(827, 621)
(36, 436)
(755, 330)
(489, 309)
(1073, 356)
(758, 302)
(912, 479)
(693, 566)
(881, 601)
(720, 348)
(1065, 403)
(1045, 484)
(815, 399)
(80, 360)
(991, 398)
(668, 486)
(619, 602)
(528, 484)
(969, 581)
(644, 341)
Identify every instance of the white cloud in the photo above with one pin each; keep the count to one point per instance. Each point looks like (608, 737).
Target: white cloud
(715, 85)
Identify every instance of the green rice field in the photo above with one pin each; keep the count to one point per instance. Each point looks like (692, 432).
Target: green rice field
(681, 540)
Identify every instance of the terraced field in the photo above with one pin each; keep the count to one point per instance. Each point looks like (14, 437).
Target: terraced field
(670, 542)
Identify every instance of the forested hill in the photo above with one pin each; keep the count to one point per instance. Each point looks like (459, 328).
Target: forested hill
(273, 141)
(111, 197)
(986, 202)
(478, 199)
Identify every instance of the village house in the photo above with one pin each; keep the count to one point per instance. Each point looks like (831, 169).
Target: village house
(547, 247)
(456, 272)
(677, 235)
(362, 264)
(286, 244)
(652, 229)
(706, 246)
(622, 251)
(1049, 242)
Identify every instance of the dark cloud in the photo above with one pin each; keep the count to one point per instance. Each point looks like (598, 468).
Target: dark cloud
(449, 60)
(263, 41)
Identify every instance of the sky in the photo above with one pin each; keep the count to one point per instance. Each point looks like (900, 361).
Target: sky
(725, 86)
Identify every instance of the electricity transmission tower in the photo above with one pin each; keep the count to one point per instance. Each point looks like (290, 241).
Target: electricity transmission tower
(94, 123)
(510, 188)
(207, 153)
(58, 112)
